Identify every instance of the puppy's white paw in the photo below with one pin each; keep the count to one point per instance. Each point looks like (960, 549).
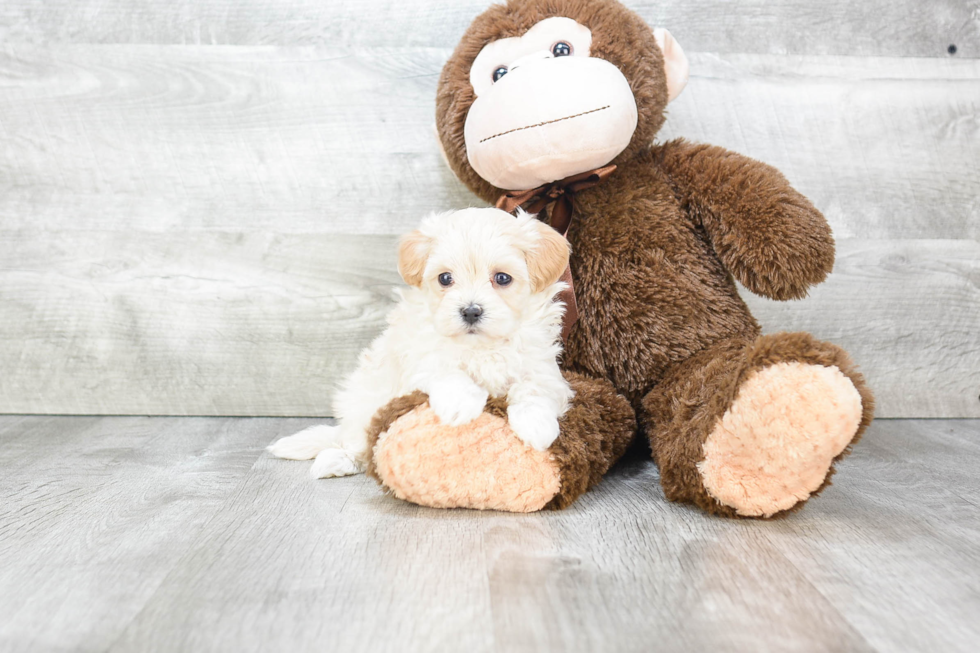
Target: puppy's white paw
(534, 423)
(307, 443)
(334, 462)
(457, 403)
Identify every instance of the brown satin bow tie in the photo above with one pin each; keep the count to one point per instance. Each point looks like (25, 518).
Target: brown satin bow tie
(561, 193)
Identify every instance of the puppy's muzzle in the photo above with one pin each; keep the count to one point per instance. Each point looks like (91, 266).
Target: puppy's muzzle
(471, 314)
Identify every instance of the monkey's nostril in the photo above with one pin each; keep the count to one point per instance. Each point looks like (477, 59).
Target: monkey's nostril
(471, 314)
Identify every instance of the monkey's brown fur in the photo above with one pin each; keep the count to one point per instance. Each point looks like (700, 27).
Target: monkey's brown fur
(656, 251)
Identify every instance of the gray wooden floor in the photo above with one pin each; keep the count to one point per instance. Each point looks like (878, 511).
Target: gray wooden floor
(181, 534)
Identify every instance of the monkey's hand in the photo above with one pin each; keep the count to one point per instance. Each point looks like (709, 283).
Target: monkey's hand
(770, 237)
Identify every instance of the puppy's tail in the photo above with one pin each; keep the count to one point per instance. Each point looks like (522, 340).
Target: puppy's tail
(307, 443)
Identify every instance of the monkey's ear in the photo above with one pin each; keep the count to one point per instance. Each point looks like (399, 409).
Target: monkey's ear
(548, 259)
(413, 251)
(675, 62)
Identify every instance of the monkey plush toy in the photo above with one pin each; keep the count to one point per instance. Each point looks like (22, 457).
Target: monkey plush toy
(538, 102)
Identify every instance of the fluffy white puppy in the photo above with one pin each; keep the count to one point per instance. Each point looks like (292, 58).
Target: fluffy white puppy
(478, 319)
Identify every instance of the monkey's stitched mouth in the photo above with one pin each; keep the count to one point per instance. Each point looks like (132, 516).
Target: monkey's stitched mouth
(547, 122)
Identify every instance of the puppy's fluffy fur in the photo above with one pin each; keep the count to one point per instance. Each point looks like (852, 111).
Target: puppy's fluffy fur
(478, 319)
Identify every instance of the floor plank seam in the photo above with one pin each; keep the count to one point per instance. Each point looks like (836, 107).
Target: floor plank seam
(842, 614)
(189, 551)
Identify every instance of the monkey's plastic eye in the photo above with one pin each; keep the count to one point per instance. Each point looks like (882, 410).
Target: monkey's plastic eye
(502, 279)
(445, 279)
(499, 72)
(561, 49)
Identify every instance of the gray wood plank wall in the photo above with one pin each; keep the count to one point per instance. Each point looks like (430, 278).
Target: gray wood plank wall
(199, 198)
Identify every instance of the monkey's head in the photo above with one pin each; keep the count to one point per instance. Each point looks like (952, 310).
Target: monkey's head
(539, 90)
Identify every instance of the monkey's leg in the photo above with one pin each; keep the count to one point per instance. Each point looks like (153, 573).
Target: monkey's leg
(483, 465)
(753, 428)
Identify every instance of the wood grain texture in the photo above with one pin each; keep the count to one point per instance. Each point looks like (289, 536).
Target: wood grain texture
(203, 542)
(875, 27)
(95, 512)
(908, 312)
(159, 138)
(915, 488)
(116, 323)
(210, 324)
(300, 140)
(886, 148)
(209, 230)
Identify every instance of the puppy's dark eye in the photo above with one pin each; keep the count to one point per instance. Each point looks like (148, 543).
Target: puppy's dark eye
(499, 72)
(561, 49)
(502, 279)
(445, 279)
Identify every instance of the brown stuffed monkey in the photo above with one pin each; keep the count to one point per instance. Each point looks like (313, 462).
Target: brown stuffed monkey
(539, 95)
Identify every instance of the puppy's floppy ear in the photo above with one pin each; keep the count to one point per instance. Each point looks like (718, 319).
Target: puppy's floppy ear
(413, 251)
(547, 260)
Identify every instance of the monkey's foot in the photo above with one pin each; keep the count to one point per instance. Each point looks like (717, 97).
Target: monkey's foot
(484, 465)
(777, 442)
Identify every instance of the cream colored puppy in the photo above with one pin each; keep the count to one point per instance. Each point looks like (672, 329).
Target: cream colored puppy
(478, 319)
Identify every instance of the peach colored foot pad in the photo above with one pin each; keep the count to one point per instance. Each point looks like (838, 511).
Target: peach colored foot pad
(481, 465)
(775, 444)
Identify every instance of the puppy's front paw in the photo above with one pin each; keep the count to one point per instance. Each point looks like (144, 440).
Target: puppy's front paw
(534, 423)
(457, 403)
(334, 462)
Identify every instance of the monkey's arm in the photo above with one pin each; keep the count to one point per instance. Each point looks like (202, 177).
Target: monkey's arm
(769, 236)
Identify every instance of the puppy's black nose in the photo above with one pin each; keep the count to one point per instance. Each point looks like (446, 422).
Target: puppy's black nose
(471, 314)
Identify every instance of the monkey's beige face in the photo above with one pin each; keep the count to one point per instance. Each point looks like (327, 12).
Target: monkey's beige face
(545, 109)
(479, 269)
